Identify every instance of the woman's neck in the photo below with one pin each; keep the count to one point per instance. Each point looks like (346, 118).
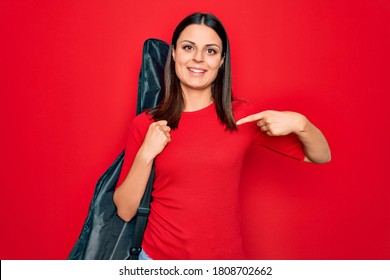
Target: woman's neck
(195, 100)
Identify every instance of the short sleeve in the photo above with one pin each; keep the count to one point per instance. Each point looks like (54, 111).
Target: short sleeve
(288, 145)
(136, 134)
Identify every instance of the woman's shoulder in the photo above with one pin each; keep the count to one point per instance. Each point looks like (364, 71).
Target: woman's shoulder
(242, 108)
(142, 120)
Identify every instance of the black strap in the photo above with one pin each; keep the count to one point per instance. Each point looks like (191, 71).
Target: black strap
(142, 217)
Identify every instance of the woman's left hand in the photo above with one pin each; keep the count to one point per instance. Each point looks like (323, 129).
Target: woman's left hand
(277, 123)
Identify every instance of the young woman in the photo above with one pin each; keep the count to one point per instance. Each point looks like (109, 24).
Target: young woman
(198, 137)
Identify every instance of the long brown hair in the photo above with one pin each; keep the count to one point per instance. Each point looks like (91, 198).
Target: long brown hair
(172, 104)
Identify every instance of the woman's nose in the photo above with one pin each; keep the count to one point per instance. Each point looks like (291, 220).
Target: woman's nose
(198, 56)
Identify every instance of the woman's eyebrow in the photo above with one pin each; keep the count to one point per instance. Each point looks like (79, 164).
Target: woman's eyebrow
(207, 45)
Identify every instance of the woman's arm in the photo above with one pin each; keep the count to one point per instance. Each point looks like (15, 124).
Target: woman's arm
(314, 143)
(128, 195)
(276, 123)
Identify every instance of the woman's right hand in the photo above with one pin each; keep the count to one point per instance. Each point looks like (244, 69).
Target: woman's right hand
(156, 139)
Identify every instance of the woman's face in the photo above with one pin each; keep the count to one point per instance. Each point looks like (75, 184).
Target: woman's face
(198, 56)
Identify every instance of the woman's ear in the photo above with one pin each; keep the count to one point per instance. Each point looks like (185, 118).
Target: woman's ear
(173, 53)
(222, 61)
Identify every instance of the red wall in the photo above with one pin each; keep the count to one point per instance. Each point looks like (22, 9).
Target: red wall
(68, 88)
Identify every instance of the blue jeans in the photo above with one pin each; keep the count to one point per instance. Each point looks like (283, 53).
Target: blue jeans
(143, 256)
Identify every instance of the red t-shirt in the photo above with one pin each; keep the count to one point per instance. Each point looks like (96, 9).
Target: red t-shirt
(195, 208)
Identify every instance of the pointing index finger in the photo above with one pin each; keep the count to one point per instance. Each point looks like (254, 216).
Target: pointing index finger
(250, 118)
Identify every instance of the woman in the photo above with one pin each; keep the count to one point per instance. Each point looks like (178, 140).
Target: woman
(198, 137)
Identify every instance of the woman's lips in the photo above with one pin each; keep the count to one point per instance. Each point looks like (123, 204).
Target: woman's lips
(196, 70)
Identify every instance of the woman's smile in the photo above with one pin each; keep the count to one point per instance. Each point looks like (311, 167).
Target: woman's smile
(196, 70)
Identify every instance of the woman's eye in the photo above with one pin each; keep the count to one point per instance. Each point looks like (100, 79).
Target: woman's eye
(211, 51)
(188, 48)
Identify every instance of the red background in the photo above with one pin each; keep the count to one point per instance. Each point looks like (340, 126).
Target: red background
(68, 88)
